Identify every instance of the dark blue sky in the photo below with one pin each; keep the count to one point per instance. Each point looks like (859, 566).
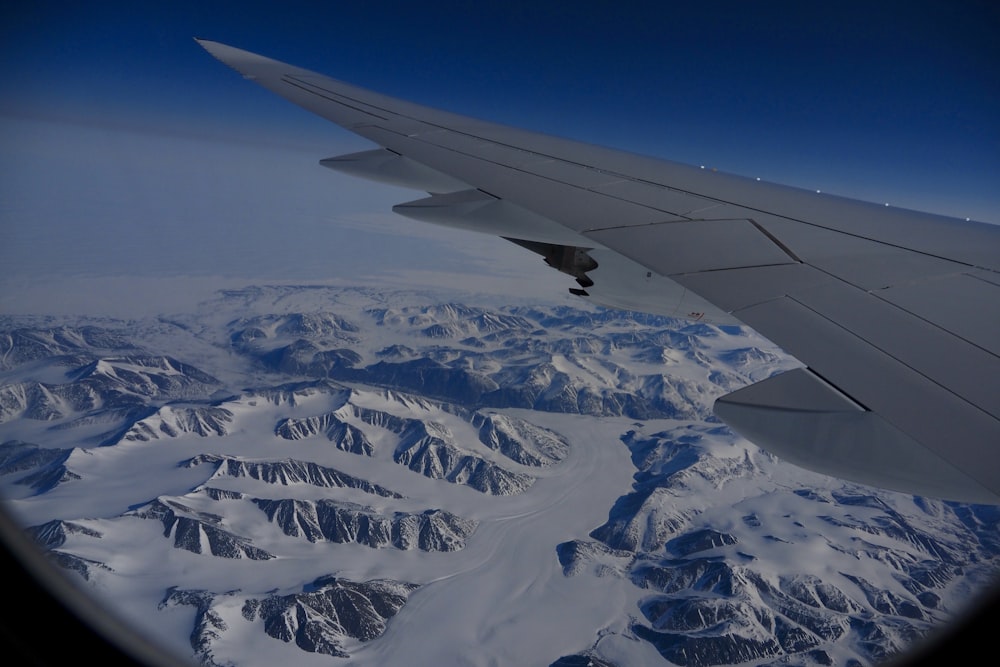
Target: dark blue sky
(890, 101)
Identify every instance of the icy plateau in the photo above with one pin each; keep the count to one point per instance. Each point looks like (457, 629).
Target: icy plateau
(321, 476)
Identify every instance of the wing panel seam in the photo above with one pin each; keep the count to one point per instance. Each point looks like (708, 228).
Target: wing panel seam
(608, 172)
(296, 83)
(893, 356)
(876, 294)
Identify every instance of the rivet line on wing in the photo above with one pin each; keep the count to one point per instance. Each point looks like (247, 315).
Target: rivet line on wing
(329, 96)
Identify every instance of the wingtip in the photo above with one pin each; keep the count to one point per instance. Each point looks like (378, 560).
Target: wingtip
(218, 49)
(207, 44)
(224, 53)
(251, 65)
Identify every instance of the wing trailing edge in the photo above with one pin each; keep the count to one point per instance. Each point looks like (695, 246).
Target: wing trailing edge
(895, 313)
(802, 419)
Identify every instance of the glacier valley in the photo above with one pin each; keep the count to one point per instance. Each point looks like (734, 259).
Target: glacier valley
(317, 475)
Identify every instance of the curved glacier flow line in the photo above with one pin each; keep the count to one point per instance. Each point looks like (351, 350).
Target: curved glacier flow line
(574, 503)
(531, 584)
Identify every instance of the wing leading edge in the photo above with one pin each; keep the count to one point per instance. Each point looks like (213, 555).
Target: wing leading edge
(895, 313)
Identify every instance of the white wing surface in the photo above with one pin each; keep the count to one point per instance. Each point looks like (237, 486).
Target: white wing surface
(894, 313)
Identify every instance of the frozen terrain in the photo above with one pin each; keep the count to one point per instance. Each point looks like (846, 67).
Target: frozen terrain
(318, 475)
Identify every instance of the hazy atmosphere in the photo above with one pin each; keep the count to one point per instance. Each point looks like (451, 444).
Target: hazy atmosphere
(129, 152)
(254, 409)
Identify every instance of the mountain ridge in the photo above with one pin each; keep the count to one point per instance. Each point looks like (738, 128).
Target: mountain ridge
(404, 440)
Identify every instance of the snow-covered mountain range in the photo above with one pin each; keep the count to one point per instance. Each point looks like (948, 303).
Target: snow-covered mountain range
(314, 474)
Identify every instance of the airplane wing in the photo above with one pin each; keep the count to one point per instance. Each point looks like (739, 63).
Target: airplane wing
(894, 313)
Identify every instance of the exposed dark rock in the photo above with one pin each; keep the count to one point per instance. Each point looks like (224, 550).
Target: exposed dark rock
(304, 357)
(330, 609)
(681, 649)
(699, 540)
(22, 345)
(287, 471)
(208, 624)
(291, 393)
(426, 453)
(519, 440)
(426, 377)
(48, 466)
(50, 476)
(52, 534)
(345, 436)
(333, 521)
(582, 660)
(193, 531)
(174, 420)
(708, 598)
(577, 556)
(82, 566)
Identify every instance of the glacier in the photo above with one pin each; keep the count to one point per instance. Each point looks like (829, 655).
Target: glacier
(313, 474)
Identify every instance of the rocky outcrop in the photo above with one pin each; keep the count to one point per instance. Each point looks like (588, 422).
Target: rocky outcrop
(286, 472)
(334, 521)
(199, 532)
(423, 450)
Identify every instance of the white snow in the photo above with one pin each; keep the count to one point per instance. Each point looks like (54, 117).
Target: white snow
(503, 598)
